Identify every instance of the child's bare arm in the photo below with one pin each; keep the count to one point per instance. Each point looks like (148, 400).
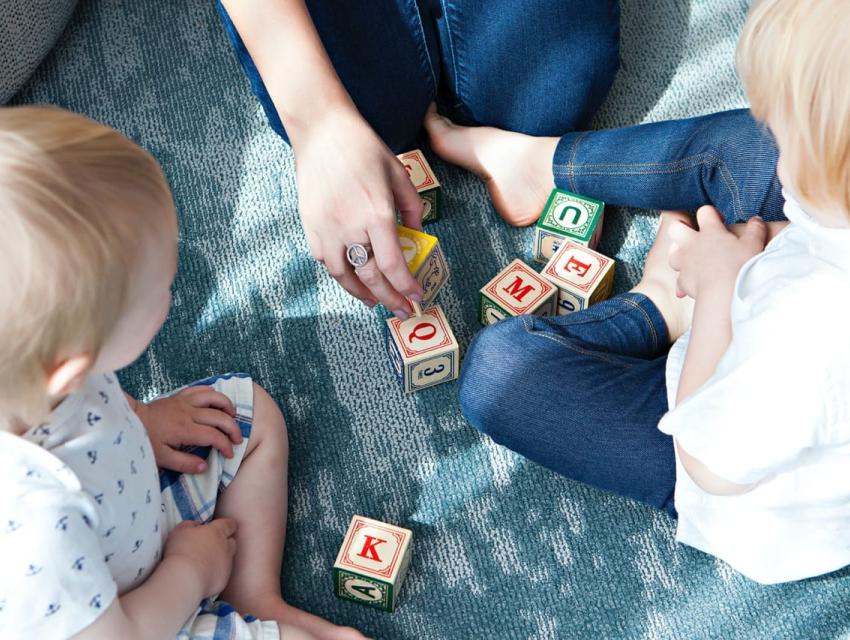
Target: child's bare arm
(197, 563)
(708, 262)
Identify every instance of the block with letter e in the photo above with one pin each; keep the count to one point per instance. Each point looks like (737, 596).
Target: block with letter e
(582, 276)
(516, 290)
(425, 182)
(423, 350)
(372, 563)
(567, 216)
(425, 260)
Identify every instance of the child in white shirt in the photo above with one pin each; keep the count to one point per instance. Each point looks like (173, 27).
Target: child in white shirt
(95, 542)
(756, 395)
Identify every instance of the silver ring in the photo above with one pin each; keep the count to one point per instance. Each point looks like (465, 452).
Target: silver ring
(358, 254)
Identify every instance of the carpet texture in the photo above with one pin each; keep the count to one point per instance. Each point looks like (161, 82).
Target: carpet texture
(503, 548)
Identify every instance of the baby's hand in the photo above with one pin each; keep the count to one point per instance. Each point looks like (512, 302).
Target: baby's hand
(712, 256)
(208, 548)
(196, 416)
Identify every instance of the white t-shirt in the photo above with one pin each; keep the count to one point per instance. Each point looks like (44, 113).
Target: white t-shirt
(80, 514)
(776, 412)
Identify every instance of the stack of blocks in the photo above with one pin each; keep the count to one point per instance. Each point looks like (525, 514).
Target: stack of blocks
(425, 181)
(423, 350)
(575, 276)
(372, 563)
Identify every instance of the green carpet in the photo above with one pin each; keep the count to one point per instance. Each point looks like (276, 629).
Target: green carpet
(503, 548)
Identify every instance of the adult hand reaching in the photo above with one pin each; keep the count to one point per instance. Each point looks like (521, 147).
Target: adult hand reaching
(349, 187)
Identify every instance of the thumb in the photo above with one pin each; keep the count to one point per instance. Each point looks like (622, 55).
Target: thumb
(227, 526)
(755, 231)
(708, 216)
(407, 200)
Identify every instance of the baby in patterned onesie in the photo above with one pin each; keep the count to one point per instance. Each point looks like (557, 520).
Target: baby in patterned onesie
(95, 540)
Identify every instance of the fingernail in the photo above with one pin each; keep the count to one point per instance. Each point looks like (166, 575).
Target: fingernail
(401, 314)
(417, 298)
(370, 303)
(202, 467)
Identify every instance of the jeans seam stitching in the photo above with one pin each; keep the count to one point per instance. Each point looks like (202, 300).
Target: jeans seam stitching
(649, 322)
(571, 176)
(565, 343)
(423, 47)
(452, 50)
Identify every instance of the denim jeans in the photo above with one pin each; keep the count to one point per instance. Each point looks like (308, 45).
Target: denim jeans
(540, 68)
(581, 394)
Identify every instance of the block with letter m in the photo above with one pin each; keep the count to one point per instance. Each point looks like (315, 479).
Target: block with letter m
(516, 290)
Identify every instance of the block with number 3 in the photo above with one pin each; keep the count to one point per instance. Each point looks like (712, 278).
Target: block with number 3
(425, 260)
(425, 182)
(372, 563)
(583, 276)
(423, 350)
(516, 290)
(567, 216)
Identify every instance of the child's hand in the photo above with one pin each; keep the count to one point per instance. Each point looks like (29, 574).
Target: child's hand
(712, 256)
(196, 416)
(209, 548)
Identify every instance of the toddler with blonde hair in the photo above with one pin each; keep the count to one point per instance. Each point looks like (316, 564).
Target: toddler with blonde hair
(95, 541)
(741, 429)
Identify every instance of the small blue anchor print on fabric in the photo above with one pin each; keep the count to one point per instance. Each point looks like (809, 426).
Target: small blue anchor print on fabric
(12, 525)
(140, 572)
(148, 497)
(78, 563)
(109, 379)
(52, 608)
(156, 528)
(96, 602)
(133, 518)
(119, 438)
(142, 451)
(92, 418)
(120, 487)
(109, 532)
(32, 473)
(133, 467)
(108, 557)
(62, 525)
(98, 497)
(103, 397)
(87, 521)
(42, 430)
(136, 545)
(92, 454)
(33, 570)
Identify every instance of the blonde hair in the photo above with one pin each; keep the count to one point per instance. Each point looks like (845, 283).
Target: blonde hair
(794, 62)
(76, 203)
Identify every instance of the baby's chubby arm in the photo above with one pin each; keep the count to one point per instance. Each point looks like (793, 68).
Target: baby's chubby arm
(708, 262)
(197, 563)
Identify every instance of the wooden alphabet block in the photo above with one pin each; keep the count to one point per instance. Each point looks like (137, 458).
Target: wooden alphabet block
(582, 275)
(567, 216)
(423, 350)
(425, 181)
(372, 563)
(516, 290)
(425, 260)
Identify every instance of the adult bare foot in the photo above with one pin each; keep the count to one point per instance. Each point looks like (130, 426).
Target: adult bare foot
(516, 168)
(659, 279)
(289, 617)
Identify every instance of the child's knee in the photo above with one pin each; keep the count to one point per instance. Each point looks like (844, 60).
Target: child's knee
(268, 424)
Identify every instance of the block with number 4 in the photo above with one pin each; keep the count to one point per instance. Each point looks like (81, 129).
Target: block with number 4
(425, 181)
(516, 290)
(425, 259)
(567, 216)
(583, 276)
(423, 350)
(372, 563)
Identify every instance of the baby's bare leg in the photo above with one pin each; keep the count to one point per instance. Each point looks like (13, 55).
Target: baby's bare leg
(257, 500)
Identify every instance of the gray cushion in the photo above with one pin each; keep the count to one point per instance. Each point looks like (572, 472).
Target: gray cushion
(28, 30)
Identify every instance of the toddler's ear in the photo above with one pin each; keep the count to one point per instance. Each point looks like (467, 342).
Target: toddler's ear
(68, 375)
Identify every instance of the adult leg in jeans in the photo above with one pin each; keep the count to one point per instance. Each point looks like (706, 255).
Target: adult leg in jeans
(726, 159)
(580, 394)
(539, 68)
(385, 55)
